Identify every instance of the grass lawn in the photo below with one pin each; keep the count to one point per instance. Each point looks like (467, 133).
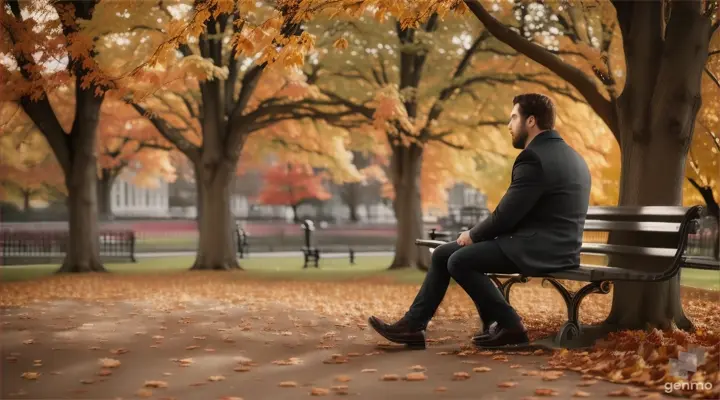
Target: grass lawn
(290, 268)
(287, 268)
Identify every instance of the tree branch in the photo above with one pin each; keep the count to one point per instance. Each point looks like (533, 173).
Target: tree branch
(40, 111)
(170, 133)
(585, 85)
(713, 77)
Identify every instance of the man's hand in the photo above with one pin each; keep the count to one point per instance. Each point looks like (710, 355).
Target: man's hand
(464, 239)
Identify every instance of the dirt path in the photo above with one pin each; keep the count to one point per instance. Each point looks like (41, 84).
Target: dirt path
(70, 337)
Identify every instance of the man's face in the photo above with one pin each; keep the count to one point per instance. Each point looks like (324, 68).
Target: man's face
(518, 128)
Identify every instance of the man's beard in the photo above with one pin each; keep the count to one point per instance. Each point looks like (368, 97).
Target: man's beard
(520, 139)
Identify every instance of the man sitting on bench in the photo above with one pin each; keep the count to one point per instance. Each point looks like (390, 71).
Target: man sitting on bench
(536, 228)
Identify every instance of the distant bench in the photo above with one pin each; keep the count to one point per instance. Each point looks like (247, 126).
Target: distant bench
(661, 233)
(47, 247)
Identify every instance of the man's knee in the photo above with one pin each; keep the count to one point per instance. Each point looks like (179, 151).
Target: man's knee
(457, 264)
(442, 253)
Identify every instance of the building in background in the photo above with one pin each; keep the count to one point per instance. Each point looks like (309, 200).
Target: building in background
(131, 200)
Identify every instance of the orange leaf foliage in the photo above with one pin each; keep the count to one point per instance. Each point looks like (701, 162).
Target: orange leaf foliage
(291, 185)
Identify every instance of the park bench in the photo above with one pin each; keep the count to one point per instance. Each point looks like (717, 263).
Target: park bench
(241, 238)
(46, 247)
(311, 253)
(658, 232)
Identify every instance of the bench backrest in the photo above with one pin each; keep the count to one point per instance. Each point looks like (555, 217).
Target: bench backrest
(659, 232)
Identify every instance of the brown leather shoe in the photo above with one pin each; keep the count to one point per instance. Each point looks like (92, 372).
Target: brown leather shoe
(399, 332)
(504, 337)
(486, 331)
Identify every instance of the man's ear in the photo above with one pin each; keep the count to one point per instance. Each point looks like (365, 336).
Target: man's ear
(531, 121)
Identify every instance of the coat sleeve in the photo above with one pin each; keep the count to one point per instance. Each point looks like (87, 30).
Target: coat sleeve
(526, 188)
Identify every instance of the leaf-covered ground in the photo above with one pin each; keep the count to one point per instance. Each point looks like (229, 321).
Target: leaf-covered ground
(230, 335)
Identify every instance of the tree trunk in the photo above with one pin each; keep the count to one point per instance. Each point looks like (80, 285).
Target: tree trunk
(217, 247)
(405, 170)
(104, 190)
(83, 247)
(655, 139)
(294, 208)
(351, 198)
(26, 200)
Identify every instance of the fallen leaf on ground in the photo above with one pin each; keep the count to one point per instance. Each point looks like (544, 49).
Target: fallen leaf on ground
(343, 378)
(367, 370)
(29, 341)
(340, 389)
(241, 368)
(109, 363)
(390, 377)
(441, 389)
(192, 347)
(416, 376)
(589, 382)
(289, 361)
(87, 381)
(104, 372)
(119, 351)
(624, 392)
(580, 393)
(460, 376)
(481, 369)
(516, 366)
(30, 375)
(319, 392)
(417, 368)
(156, 384)
(546, 392)
(216, 378)
(288, 384)
(144, 393)
(507, 384)
(337, 359)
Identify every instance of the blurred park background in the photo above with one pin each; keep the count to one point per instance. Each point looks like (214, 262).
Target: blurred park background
(351, 137)
(148, 138)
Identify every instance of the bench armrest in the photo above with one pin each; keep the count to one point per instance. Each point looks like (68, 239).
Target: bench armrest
(429, 243)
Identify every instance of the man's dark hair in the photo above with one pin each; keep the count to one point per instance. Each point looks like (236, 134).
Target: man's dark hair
(539, 106)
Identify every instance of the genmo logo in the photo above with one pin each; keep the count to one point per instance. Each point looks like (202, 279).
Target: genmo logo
(688, 386)
(683, 367)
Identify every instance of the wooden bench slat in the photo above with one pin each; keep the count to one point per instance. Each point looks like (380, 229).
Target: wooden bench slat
(632, 226)
(701, 262)
(596, 273)
(602, 248)
(646, 211)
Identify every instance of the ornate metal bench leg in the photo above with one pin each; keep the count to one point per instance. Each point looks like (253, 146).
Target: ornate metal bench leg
(509, 283)
(571, 329)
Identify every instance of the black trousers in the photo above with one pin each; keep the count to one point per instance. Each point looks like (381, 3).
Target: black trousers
(468, 265)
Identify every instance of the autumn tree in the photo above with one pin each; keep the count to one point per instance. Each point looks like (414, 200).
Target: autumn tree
(433, 93)
(28, 169)
(704, 154)
(664, 48)
(291, 185)
(75, 48)
(239, 70)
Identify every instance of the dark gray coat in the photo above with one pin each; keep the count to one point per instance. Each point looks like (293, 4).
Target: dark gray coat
(539, 221)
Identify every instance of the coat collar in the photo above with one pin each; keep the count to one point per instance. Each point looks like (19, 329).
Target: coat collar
(550, 134)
